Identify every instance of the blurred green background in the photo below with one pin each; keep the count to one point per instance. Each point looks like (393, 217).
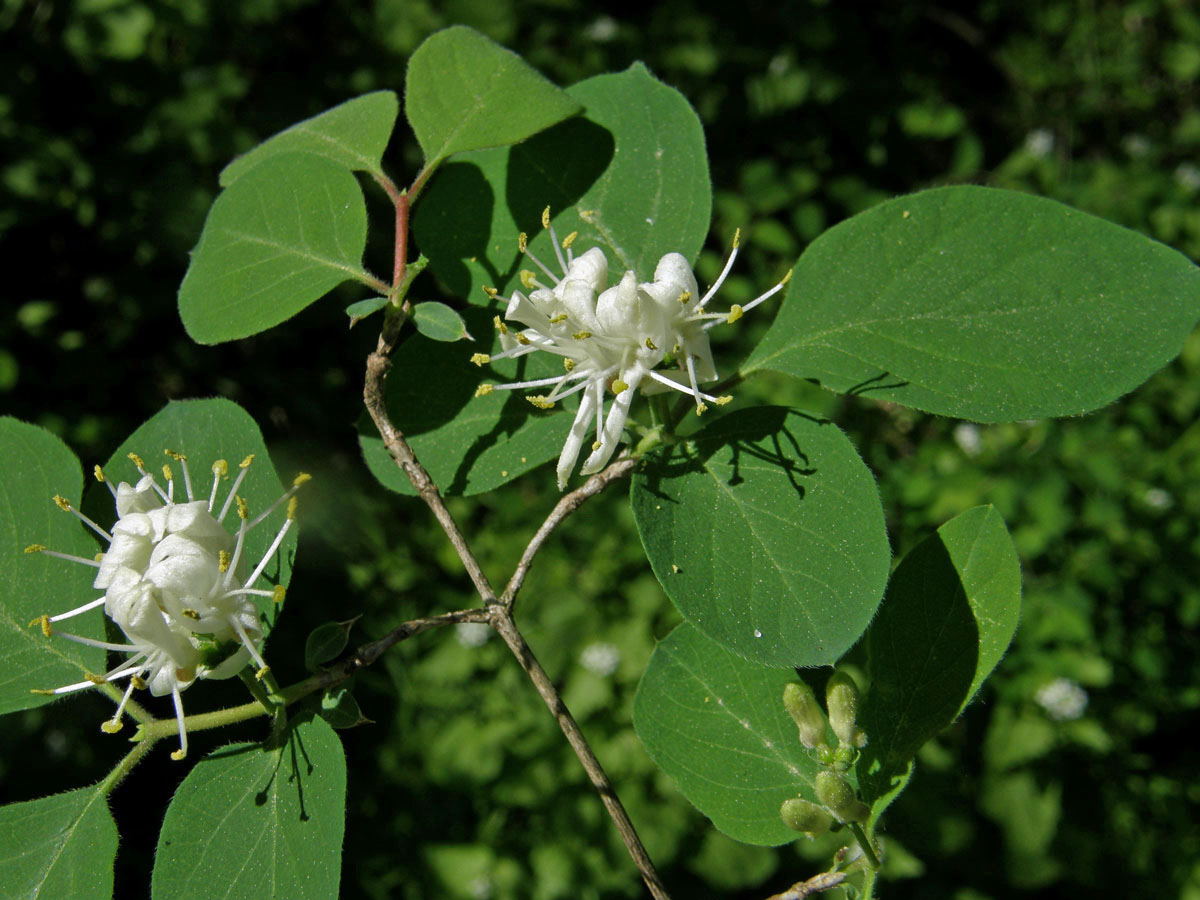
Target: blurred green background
(1072, 774)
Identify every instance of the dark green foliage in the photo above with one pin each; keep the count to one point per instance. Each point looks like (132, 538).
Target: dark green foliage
(117, 120)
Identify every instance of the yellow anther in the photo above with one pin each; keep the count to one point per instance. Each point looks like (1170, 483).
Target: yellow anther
(786, 278)
(596, 445)
(111, 726)
(167, 473)
(302, 478)
(735, 313)
(42, 692)
(277, 593)
(179, 754)
(35, 548)
(541, 402)
(618, 385)
(521, 339)
(546, 217)
(522, 241)
(721, 401)
(262, 673)
(528, 280)
(245, 463)
(136, 460)
(138, 682)
(701, 409)
(98, 557)
(569, 240)
(178, 457)
(500, 326)
(650, 344)
(490, 291)
(243, 508)
(582, 335)
(98, 474)
(676, 349)
(484, 389)
(223, 561)
(44, 621)
(95, 679)
(220, 468)
(62, 502)
(685, 297)
(480, 359)
(291, 510)
(191, 614)
(568, 364)
(561, 317)
(737, 237)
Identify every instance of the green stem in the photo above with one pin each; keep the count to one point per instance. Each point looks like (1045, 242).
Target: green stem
(125, 766)
(867, 848)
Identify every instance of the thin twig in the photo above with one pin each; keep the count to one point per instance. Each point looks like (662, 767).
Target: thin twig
(814, 885)
(565, 506)
(503, 623)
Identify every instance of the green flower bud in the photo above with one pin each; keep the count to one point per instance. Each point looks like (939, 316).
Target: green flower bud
(807, 818)
(802, 706)
(841, 698)
(836, 794)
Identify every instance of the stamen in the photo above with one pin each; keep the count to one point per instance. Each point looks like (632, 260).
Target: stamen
(39, 548)
(484, 389)
(182, 751)
(98, 474)
(266, 558)
(480, 359)
(237, 482)
(684, 389)
(65, 505)
(113, 725)
(187, 477)
(523, 243)
(219, 469)
(724, 272)
(103, 645)
(99, 601)
(249, 645)
(691, 370)
(553, 239)
(541, 402)
(169, 476)
(141, 467)
(500, 326)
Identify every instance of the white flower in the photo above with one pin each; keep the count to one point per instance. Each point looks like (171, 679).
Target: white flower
(173, 584)
(600, 658)
(611, 339)
(1063, 699)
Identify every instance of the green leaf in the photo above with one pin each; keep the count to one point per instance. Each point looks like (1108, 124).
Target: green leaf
(284, 234)
(630, 176)
(716, 724)
(464, 92)
(353, 134)
(59, 846)
(37, 465)
(985, 304)
(767, 533)
(439, 322)
(205, 431)
(340, 709)
(258, 822)
(326, 642)
(468, 444)
(950, 612)
(364, 308)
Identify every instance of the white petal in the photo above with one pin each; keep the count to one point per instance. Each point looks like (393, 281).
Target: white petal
(614, 424)
(579, 430)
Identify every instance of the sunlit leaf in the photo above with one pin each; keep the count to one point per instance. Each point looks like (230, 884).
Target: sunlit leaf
(353, 134)
(59, 846)
(767, 533)
(284, 234)
(986, 304)
(439, 322)
(258, 822)
(36, 466)
(465, 92)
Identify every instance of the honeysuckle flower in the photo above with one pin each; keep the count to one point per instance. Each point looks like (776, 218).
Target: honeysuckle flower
(611, 340)
(174, 584)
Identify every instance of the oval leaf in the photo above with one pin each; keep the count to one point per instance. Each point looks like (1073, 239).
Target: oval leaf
(985, 304)
(439, 322)
(716, 724)
(60, 846)
(951, 609)
(767, 533)
(353, 135)
(468, 444)
(325, 643)
(205, 431)
(37, 465)
(284, 234)
(258, 822)
(465, 92)
(630, 176)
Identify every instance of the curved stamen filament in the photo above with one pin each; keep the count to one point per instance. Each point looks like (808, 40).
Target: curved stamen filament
(720, 279)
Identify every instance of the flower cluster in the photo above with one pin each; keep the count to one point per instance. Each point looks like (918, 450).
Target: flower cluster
(174, 583)
(611, 339)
